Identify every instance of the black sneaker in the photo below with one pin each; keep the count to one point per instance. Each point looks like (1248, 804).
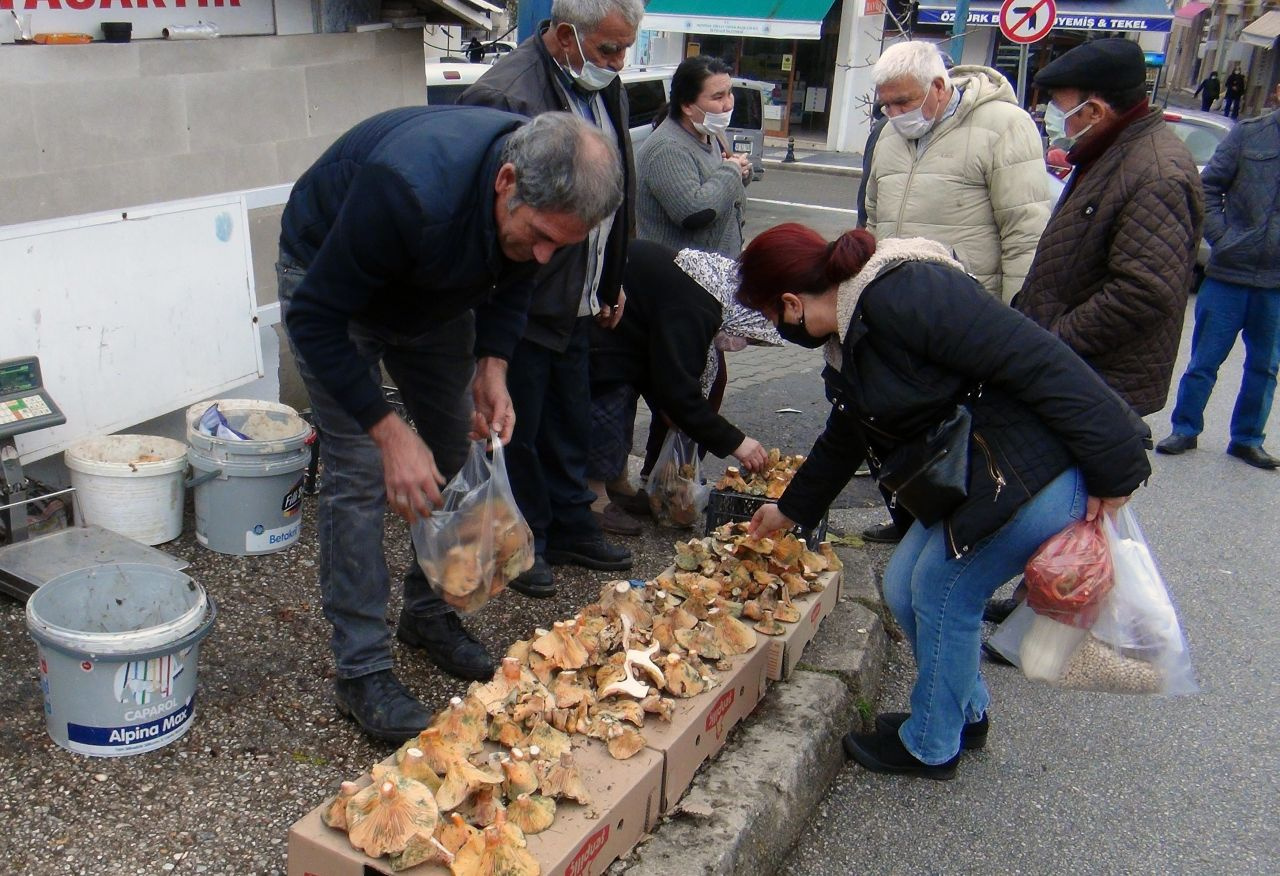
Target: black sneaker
(595, 554)
(972, 737)
(448, 644)
(887, 533)
(537, 582)
(381, 705)
(883, 752)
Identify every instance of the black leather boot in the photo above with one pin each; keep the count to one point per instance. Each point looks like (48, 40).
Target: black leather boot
(448, 644)
(381, 705)
(538, 582)
(594, 554)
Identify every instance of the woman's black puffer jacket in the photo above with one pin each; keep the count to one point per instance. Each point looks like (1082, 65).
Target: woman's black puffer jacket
(921, 337)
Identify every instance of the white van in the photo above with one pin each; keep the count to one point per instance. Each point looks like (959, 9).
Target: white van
(647, 91)
(446, 81)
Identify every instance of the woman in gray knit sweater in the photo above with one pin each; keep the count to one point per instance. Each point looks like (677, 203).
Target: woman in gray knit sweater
(690, 190)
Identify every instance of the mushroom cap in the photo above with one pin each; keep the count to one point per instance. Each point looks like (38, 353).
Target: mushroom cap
(385, 816)
(532, 813)
(624, 742)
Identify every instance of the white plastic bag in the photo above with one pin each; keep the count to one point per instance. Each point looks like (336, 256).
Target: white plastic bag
(1135, 645)
(478, 542)
(1137, 619)
(677, 495)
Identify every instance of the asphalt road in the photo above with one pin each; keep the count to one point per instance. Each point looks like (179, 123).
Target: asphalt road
(1077, 782)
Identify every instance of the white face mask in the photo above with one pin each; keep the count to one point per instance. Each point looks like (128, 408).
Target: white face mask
(592, 77)
(912, 125)
(1055, 126)
(713, 124)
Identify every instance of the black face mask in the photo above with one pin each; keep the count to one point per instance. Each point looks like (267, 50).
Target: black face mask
(797, 334)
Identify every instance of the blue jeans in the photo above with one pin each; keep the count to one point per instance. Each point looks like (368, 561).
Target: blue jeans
(1224, 310)
(938, 601)
(547, 456)
(433, 372)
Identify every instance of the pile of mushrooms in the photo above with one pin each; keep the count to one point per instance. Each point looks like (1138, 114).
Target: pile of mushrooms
(494, 765)
(754, 579)
(771, 482)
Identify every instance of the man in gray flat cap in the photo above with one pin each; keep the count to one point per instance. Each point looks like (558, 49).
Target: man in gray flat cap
(1114, 266)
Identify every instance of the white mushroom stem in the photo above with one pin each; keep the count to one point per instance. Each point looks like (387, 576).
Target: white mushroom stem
(644, 659)
(630, 686)
(626, 633)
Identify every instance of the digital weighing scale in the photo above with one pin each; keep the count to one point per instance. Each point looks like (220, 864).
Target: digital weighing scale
(27, 561)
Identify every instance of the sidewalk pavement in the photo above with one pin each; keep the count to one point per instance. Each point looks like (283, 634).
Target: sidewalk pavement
(811, 157)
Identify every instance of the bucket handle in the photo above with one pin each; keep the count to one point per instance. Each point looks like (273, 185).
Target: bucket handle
(203, 478)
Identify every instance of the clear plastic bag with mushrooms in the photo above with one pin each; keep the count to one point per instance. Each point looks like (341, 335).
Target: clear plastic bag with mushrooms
(478, 542)
(677, 495)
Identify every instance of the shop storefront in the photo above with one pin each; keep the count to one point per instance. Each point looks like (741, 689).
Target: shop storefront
(790, 44)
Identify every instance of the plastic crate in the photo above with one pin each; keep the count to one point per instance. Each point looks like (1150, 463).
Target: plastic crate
(726, 506)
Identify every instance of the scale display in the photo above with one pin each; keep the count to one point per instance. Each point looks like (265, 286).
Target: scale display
(24, 404)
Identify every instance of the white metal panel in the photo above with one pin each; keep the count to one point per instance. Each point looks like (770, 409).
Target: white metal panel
(133, 313)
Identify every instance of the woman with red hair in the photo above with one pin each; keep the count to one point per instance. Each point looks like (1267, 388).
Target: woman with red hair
(915, 346)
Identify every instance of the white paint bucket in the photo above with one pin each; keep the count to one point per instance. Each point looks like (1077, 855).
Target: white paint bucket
(248, 494)
(118, 645)
(130, 484)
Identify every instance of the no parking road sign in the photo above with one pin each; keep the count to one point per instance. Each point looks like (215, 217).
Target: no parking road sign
(1027, 21)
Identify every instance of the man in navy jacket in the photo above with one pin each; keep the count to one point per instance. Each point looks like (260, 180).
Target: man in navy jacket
(1240, 294)
(411, 219)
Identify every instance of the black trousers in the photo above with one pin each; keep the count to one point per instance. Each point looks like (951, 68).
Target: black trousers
(547, 456)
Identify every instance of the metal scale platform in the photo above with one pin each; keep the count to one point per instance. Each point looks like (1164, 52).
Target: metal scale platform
(27, 561)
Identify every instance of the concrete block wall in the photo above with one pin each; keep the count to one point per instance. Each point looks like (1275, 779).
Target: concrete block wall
(108, 126)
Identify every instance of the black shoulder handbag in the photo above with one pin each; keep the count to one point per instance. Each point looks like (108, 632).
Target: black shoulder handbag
(929, 476)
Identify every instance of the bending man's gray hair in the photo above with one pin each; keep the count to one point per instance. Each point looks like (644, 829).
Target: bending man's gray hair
(915, 59)
(565, 165)
(586, 15)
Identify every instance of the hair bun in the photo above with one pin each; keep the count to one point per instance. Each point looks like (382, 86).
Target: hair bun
(848, 253)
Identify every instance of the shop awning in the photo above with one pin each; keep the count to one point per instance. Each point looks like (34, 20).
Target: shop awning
(1190, 11)
(772, 19)
(1263, 32)
(470, 12)
(1143, 16)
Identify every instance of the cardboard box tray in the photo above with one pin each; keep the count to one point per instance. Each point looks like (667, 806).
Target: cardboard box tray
(583, 841)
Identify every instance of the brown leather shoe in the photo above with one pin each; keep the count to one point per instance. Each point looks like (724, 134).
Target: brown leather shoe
(618, 522)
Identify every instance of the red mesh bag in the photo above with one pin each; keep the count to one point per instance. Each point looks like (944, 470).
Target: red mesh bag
(1070, 573)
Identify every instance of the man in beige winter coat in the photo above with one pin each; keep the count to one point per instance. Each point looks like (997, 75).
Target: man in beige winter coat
(960, 163)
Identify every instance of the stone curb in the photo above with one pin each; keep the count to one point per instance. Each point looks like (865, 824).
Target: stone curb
(747, 806)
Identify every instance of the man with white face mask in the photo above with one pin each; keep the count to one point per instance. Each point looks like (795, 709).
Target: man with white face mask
(1114, 266)
(570, 65)
(960, 163)
(1113, 269)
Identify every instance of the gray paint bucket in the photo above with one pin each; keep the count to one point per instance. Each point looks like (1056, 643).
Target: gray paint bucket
(118, 645)
(248, 494)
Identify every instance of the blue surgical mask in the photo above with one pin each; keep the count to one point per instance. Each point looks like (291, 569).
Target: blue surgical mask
(592, 77)
(1055, 126)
